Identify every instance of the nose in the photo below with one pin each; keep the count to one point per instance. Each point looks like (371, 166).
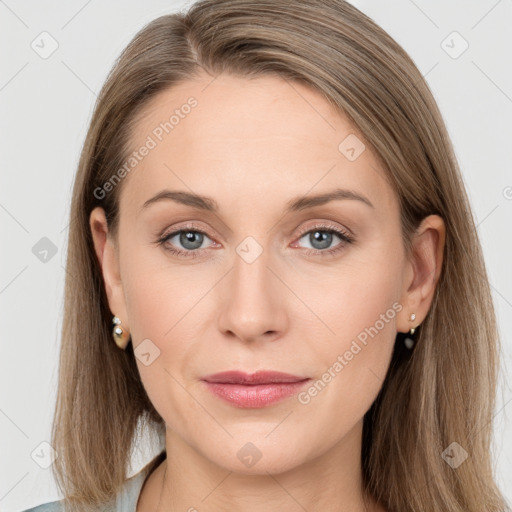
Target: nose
(253, 301)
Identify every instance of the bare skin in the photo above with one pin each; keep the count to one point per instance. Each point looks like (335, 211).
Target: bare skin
(253, 146)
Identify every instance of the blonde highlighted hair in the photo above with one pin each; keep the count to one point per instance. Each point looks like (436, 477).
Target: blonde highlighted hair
(444, 391)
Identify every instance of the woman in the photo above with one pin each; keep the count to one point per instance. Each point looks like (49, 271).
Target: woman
(269, 220)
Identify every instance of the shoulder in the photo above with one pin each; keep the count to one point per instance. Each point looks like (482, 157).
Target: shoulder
(125, 501)
(53, 506)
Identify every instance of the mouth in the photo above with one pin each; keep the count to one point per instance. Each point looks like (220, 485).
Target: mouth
(256, 390)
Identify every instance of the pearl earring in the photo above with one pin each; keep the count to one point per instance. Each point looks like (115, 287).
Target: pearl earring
(409, 341)
(121, 336)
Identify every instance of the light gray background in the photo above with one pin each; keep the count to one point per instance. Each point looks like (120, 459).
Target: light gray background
(46, 105)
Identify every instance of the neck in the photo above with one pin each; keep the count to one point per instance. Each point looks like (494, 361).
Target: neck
(187, 480)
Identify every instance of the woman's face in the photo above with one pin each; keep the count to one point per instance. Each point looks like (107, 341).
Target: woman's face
(264, 278)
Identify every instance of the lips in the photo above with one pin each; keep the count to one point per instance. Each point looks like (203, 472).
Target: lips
(257, 390)
(259, 377)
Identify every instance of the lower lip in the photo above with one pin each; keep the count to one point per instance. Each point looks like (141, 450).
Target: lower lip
(255, 396)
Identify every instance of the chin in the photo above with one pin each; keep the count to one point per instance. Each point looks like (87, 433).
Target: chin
(258, 457)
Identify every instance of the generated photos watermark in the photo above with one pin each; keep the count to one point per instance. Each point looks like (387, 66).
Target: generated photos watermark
(304, 397)
(151, 142)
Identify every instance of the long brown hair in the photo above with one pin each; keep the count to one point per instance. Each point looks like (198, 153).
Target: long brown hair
(443, 392)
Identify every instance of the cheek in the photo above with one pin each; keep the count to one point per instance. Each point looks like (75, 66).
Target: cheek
(357, 304)
(354, 296)
(359, 307)
(157, 294)
(166, 320)
(367, 303)
(162, 338)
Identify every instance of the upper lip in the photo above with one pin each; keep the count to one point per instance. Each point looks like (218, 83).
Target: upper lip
(259, 377)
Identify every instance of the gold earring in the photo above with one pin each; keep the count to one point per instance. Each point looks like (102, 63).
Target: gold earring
(121, 337)
(409, 341)
(413, 317)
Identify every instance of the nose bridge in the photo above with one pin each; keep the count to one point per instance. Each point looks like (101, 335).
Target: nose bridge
(252, 305)
(250, 274)
(251, 280)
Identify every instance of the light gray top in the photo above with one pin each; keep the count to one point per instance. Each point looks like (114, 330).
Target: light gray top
(125, 501)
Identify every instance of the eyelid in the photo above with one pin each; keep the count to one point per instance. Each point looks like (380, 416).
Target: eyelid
(190, 226)
(346, 236)
(327, 226)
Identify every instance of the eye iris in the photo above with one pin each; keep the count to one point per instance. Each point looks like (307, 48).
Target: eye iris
(324, 237)
(187, 237)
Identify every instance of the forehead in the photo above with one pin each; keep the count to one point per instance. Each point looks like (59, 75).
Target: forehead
(253, 137)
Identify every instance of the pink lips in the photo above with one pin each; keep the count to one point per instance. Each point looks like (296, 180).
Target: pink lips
(254, 390)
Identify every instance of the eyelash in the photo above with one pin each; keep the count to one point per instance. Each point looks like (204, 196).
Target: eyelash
(345, 237)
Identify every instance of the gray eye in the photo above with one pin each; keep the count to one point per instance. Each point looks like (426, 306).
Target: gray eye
(320, 238)
(189, 240)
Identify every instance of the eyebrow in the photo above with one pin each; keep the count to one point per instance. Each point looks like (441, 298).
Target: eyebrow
(297, 204)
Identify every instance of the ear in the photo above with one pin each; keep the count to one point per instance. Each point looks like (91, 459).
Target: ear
(107, 254)
(422, 272)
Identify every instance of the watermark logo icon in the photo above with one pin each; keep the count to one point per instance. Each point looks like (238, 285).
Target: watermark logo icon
(351, 147)
(454, 455)
(44, 250)
(249, 249)
(454, 45)
(44, 45)
(146, 352)
(249, 455)
(44, 455)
